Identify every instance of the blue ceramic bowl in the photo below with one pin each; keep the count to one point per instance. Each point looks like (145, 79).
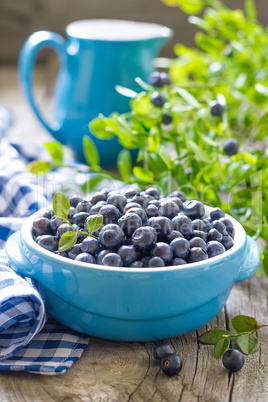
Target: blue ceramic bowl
(131, 304)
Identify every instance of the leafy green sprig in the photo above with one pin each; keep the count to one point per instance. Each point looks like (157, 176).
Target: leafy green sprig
(61, 208)
(247, 342)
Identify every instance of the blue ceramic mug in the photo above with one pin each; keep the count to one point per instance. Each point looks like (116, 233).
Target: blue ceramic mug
(97, 56)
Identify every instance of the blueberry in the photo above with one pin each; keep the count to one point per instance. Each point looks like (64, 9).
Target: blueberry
(151, 210)
(153, 191)
(142, 199)
(137, 264)
(111, 236)
(41, 226)
(118, 200)
(145, 261)
(171, 365)
(219, 226)
(162, 226)
(199, 224)
(55, 222)
(129, 223)
(144, 238)
(213, 234)
(233, 360)
(173, 235)
(95, 209)
(48, 214)
(74, 251)
(200, 233)
(113, 260)
(169, 209)
(48, 242)
(62, 254)
(156, 262)
(158, 99)
(80, 218)
(158, 79)
(154, 202)
(130, 192)
(216, 214)
(178, 261)
(207, 224)
(183, 224)
(163, 349)
(65, 227)
(198, 242)
(180, 247)
(197, 254)
(98, 197)
(179, 194)
(227, 242)
(110, 214)
(83, 206)
(90, 245)
(128, 255)
(131, 205)
(101, 254)
(162, 250)
(166, 118)
(230, 146)
(85, 257)
(216, 109)
(228, 224)
(71, 213)
(177, 201)
(140, 212)
(194, 209)
(74, 200)
(215, 248)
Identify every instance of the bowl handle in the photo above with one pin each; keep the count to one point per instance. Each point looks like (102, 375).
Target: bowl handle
(17, 259)
(251, 262)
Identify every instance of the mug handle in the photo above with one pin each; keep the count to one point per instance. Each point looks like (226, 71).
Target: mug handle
(17, 259)
(27, 58)
(251, 262)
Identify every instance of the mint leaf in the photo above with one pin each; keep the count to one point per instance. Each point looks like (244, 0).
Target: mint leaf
(94, 222)
(220, 347)
(61, 205)
(143, 174)
(55, 149)
(248, 343)
(213, 336)
(67, 240)
(243, 323)
(90, 152)
(39, 168)
(124, 164)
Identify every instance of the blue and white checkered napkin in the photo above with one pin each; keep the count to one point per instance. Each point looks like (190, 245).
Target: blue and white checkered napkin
(28, 340)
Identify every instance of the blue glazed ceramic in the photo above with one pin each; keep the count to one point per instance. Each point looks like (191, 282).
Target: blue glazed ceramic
(130, 304)
(97, 56)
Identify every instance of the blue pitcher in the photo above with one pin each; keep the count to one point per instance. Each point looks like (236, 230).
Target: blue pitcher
(97, 56)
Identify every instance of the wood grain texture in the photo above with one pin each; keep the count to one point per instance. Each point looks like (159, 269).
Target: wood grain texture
(118, 371)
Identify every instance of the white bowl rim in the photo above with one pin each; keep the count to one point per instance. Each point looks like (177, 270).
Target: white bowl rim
(26, 232)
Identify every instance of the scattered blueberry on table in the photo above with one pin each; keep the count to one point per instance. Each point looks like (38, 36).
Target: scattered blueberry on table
(138, 229)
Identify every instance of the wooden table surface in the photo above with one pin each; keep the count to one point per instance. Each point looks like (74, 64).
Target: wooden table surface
(121, 371)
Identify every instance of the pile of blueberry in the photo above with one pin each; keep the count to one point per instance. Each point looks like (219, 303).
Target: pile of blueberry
(140, 229)
(170, 362)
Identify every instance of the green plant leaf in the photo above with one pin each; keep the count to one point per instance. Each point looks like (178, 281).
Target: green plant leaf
(90, 152)
(243, 323)
(94, 222)
(213, 336)
(143, 84)
(191, 6)
(39, 168)
(55, 149)
(220, 347)
(251, 10)
(124, 164)
(190, 99)
(67, 240)
(101, 129)
(61, 205)
(143, 174)
(248, 343)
